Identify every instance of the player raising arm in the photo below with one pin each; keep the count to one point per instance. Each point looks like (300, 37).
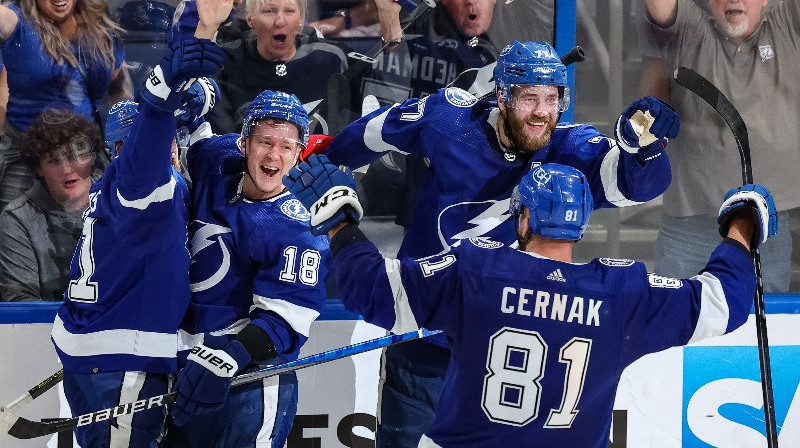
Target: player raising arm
(116, 333)
(538, 342)
(257, 279)
(478, 152)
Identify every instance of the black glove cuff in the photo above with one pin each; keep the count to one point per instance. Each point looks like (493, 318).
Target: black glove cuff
(346, 235)
(745, 211)
(257, 343)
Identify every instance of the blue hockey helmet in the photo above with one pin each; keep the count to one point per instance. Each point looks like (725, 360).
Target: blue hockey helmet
(118, 123)
(280, 105)
(559, 200)
(146, 15)
(531, 63)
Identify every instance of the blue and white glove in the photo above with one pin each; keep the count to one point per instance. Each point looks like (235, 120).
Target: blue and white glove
(645, 126)
(203, 384)
(198, 100)
(329, 193)
(759, 200)
(182, 64)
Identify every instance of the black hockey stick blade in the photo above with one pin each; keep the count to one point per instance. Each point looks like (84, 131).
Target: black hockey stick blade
(37, 390)
(703, 88)
(22, 428)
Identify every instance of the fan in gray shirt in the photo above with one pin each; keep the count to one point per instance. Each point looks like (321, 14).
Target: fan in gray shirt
(39, 230)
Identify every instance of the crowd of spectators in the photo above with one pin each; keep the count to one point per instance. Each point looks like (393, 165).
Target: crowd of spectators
(88, 52)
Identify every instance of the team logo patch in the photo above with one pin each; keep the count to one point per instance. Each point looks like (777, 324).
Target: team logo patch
(486, 243)
(658, 281)
(616, 262)
(294, 209)
(459, 97)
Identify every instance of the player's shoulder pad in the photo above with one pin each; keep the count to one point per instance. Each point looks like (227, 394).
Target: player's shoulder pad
(458, 97)
(620, 273)
(577, 130)
(616, 262)
(580, 137)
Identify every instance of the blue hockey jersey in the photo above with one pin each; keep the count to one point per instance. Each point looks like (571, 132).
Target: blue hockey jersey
(538, 345)
(466, 191)
(252, 261)
(129, 286)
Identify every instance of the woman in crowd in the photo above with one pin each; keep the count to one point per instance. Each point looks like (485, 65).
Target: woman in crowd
(66, 54)
(39, 229)
(275, 56)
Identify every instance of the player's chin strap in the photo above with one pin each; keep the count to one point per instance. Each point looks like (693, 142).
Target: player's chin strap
(22, 428)
(522, 240)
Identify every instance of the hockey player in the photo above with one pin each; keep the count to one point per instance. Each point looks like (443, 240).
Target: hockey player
(257, 280)
(117, 331)
(538, 342)
(478, 152)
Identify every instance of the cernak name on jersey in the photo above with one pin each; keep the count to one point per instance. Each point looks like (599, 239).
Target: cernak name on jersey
(550, 305)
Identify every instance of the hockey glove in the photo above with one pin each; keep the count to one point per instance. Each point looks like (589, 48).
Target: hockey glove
(645, 126)
(203, 384)
(759, 200)
(198, 100)
(328, 192)
(181, 65)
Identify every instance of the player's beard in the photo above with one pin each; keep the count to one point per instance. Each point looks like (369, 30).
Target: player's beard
(514, 127)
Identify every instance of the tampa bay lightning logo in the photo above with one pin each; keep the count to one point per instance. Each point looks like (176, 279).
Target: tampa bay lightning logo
(208, 235)
(616, 262)
(294, 209)
(466, 220)
(459, 97)
(486, 243)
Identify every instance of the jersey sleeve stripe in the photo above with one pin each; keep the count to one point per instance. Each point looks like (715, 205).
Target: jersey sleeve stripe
(713, 318)
(298, 317)
(608, 175)
(163, 193)
(114, 342)
(404, 317)
(373, 137)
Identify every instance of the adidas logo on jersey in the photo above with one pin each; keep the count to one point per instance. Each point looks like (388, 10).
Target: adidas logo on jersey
(556, 276)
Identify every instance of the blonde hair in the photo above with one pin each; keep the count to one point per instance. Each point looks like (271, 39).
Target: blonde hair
(95, 33)
(253, 4)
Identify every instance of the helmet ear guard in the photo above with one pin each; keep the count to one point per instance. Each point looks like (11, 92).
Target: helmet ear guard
(118, 124)
(559, 199)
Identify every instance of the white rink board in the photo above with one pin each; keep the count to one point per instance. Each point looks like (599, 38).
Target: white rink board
(706, 395)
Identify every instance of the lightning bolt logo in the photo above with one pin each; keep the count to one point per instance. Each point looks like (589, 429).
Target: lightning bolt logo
(203, 238)
(496, 214)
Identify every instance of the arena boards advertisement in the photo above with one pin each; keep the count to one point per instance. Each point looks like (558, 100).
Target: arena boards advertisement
(705, 395)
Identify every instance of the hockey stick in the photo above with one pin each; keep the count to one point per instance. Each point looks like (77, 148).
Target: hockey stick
(703, 88)
(36, 391)
(22, 428)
